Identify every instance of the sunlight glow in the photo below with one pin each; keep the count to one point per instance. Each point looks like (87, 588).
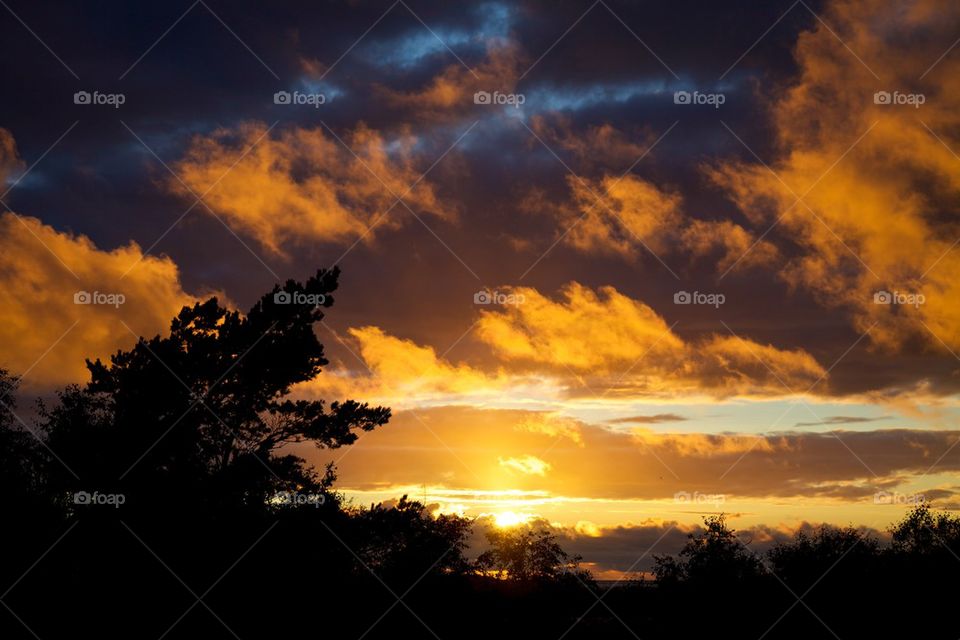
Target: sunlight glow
(507, 519)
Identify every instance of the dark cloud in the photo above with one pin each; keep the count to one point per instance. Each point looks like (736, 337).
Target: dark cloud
(834, 420)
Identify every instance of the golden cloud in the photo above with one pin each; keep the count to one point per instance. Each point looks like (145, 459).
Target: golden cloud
(301, 185)
(46, 334)
(552, 424)
(527, 465)
(874, 166)
(608, 334)
(618, 215)
(589, 346)
(402, 373)
(630, 215)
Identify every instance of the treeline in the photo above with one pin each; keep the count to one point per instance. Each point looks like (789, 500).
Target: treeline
(161, 500)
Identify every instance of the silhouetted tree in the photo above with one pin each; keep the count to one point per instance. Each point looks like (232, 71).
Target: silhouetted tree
(715, 555)
(198, 416)
(810, 558)
(528, 552)
(21, 454)
(922, 532)
(406, 540)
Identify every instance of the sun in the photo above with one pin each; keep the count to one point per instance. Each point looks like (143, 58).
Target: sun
(507, 519)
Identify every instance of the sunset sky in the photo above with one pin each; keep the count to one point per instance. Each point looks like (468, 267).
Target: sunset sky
(614, 265)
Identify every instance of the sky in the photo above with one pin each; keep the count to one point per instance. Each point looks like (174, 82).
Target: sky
(614, 265)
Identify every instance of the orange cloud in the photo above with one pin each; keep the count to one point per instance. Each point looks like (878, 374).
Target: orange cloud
(879, 178)
(630, 215)
(47, 335)
(300, 185)
(627, 347)
(586, 346)
(9, 158)
(527, 465)
(619, 215)
(601, 145)
(402, 373)
(735, 245)
(451, 91)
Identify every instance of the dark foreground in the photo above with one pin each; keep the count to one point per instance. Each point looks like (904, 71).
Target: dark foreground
(324, 573)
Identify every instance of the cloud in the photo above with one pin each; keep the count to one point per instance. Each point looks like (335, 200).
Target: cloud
(552, 424)
(654, 419)
(630, 216)
(632, 548)
(624, 345)
(586, 344)
(602, 146)
(835, 420)
(622, 215)
(450, 94)
(528, 465)
(402, 373)
(302, 186)
(45, 334)
(10, 161)
(879, 180)
(729, 242)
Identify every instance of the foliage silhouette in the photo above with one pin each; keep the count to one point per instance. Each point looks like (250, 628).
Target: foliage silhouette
(716, 555)
(197, 417)
(529, 552)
